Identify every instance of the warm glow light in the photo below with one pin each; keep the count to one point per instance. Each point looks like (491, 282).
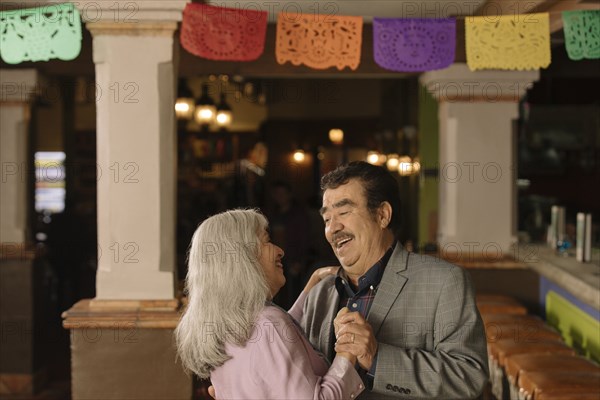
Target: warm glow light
(416, 167)
(392, 162)
(205, 107)
(205, 114)
(224, 114)
(407, 167)
(299, 156)
(184, 108)
(336, 136)
(223, 118)
(373, 157)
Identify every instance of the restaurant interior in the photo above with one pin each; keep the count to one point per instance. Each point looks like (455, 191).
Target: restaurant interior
(96, 178)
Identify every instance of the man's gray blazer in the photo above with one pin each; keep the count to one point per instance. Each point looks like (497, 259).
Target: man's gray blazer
(431, 342)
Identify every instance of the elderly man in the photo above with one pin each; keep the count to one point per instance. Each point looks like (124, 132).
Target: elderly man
(413, 323)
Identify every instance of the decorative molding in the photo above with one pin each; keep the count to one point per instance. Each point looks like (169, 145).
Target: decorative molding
(155, 28)
(118, 314)
(17, 251)
(459, 84)
(136, 305)
(119, 10)
(123, 12)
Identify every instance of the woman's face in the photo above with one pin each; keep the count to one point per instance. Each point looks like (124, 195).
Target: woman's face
(269, 258)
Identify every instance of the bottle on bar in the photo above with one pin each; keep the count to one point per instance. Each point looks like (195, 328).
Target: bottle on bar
(580, 239)
(587, 249)
(552, 233)
(561, 232)
(584, 237)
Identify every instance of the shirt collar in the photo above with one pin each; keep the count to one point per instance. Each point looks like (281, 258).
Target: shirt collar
(371, 278)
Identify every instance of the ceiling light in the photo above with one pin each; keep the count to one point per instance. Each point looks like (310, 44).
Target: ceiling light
(336, 136)
(205, 108)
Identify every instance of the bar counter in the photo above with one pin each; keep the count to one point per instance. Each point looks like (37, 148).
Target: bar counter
(580, 279)
(558, 288)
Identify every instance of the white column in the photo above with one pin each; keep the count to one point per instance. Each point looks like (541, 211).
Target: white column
(17, 88)
(136, 151)
(477, 174)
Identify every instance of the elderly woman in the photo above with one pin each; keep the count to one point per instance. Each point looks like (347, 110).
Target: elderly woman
(232, 333)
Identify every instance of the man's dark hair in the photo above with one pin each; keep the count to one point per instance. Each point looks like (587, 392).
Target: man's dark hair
(379, 186)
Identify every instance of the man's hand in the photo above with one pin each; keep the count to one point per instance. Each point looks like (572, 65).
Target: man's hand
(355, 336)
(336, 324)
(351, 357)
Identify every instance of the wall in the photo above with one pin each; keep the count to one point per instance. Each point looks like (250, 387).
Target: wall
(324, 98)
(429, 158)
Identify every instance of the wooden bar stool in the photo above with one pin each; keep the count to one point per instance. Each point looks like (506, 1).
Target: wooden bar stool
(592, 395)
(517, 328)
(564, 385)
(517, 363)
(495, 298)
(524, 331)
(499, 350)
(510, 317)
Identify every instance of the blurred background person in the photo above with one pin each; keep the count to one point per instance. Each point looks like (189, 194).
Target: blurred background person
(290, 230)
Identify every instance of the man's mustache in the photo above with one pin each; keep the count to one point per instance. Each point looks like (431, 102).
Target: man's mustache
(341, 235)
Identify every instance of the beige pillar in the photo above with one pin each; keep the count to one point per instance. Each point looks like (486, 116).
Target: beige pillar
(477, 176)
(136, 154)
(17, 87)
(22, 369)
(122, 341)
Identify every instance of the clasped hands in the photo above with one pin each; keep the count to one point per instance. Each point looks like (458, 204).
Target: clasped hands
(354, 338)
(354, 335)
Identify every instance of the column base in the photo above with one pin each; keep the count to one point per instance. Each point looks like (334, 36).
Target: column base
(124, 349)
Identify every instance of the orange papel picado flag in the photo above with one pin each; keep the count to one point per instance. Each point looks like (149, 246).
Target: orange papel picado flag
(319, 41)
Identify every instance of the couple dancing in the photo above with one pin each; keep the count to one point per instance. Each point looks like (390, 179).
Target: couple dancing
(386, 324)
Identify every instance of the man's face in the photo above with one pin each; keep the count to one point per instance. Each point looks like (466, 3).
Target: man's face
(356, 236)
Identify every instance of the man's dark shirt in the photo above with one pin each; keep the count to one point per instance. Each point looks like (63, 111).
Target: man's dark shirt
(360, 299)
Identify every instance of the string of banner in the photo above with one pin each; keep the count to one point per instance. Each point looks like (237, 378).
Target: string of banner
(512, 42)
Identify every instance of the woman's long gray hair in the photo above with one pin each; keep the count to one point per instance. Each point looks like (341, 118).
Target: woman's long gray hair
(226, 289)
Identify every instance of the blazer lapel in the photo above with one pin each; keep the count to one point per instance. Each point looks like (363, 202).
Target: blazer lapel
(327, 338)
(390, 287)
